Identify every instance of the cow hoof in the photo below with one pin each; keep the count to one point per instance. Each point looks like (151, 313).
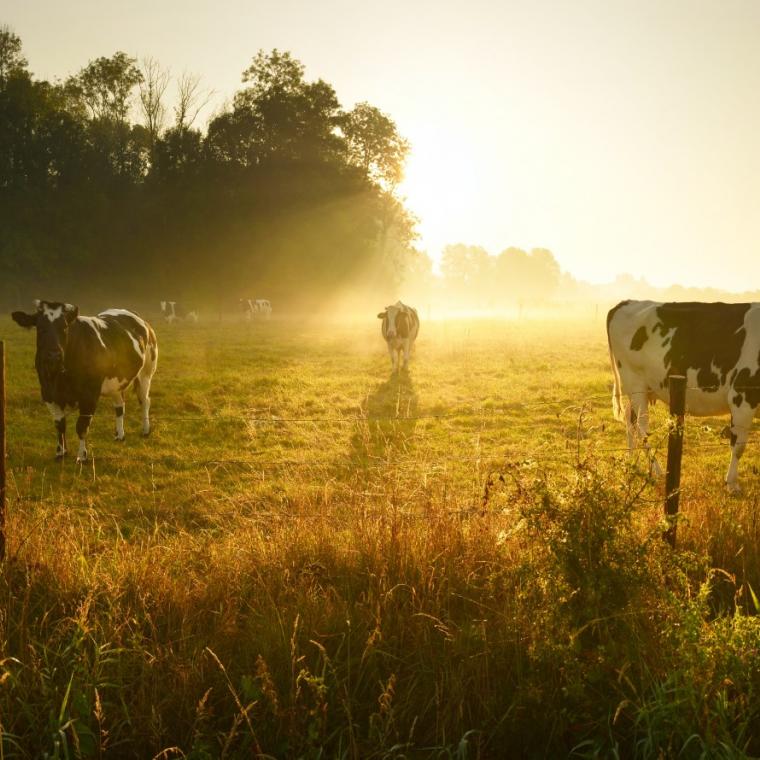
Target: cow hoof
(82, 460)
(145, 433)
(118, 437)
(734, 489)
(59, 455)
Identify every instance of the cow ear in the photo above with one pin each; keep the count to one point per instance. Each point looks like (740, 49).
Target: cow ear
(71, 312)
(23, 319)
(381, 315)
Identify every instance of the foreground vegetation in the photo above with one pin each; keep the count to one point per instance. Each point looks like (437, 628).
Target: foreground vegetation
(311, 559)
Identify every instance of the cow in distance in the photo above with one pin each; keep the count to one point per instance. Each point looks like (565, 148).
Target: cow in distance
(174, 311)
(400, 326)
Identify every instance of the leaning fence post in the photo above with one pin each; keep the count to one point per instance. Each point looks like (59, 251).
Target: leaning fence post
(675, 450)
(2, 450)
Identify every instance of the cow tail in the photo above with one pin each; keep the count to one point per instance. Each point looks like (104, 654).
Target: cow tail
(618, 412)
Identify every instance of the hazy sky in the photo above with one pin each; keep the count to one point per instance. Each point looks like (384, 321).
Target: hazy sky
(624, 136)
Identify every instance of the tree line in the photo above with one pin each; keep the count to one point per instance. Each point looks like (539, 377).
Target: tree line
(470, 277)
(108, 190)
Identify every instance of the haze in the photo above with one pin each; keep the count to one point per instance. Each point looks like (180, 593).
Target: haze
(621, 136)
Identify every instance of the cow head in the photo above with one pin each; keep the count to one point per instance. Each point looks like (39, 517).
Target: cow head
(396, 319)
(52, 320)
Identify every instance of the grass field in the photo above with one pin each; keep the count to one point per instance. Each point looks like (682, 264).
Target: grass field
(311, 558)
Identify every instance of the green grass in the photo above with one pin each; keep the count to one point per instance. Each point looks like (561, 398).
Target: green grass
(311, 558)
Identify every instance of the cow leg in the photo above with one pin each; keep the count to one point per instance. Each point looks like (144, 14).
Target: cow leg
(118, 408)
(142, 388)
(406, 354)
(394, 357)
(638, 427)
(60, 429)
(631, 421)
(86, 413)
(741, 422)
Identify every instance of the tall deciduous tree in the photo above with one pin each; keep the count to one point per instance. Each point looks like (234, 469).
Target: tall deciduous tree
(155, 80)
(375, 145)
(12, 60)
(192, 98)
(105, 86)
(289, 118)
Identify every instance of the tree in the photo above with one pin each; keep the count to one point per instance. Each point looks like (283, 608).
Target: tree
(464, 265)
(191, 100)
(11, 59)
(155, 80)
(269, 73)
(177, 152)
(290, 118)
(532, 276)
(375, 145)
(105, 86)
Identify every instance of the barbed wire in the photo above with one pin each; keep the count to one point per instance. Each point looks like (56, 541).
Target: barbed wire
(253, 415)
(583, 448)
(586, 450)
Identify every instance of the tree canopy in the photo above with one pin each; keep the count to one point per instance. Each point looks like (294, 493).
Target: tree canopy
(284, 195)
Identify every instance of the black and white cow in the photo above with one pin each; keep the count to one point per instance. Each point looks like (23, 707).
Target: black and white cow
(81, 358)
(400, 327)
(173, 311)
(251, 308)
(715, 345)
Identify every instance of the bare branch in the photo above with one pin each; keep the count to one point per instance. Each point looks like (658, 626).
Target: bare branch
(152, 90)
(191, 100)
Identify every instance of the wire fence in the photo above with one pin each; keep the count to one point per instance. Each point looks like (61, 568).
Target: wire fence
(575, 449)
(568, 451)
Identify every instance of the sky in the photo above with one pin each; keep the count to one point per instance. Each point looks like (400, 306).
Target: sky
(623, 135)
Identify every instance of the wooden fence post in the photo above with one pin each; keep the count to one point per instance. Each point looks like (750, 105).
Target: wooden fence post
(2, 450)
(675, 450)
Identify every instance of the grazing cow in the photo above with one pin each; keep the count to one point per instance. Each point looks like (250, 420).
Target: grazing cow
(400, 327)
(715, 345)
(173, 311)
(81, 358)
(255, 307)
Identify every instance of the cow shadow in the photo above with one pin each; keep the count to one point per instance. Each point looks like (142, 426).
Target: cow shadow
(387, 424)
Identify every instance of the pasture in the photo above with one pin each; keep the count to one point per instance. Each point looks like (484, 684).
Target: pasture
(311, 558)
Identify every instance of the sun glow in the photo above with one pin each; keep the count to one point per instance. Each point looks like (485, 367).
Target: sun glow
(443, 187)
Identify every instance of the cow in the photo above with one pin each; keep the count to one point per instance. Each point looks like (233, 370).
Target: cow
(255, 307)
(715, 345)
(173, 311)
(399, 329)
(81, 358)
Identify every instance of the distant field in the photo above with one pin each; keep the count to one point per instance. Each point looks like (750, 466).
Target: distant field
(309, 557)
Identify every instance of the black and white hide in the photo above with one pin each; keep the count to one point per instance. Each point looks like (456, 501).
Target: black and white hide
(399, 328)
(715, 345)
(80, 359)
